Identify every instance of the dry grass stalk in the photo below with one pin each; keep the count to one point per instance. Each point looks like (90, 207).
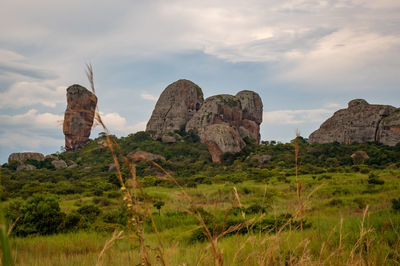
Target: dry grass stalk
(115, 236)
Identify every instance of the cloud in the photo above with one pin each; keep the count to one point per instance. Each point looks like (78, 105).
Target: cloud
(32, 119)
(118, 124)
(25, 93)
(296, 117)
(28, 141)
(148, 96)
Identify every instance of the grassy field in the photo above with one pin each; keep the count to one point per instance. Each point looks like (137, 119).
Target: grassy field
(334, 219)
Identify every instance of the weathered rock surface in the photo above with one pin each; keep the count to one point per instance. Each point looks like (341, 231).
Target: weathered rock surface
(79, 115)
(361, 122)
(243, 112)
(140, 155)
(25, 167)
(22, 156)
(182, 104)
(220, 139)
(59, 164)
(168, 139)
(175, 107)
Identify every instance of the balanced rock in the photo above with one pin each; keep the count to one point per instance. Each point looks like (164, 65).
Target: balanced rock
(23, 156)
(361, 122)
(175, 107)
(220, 139)
(79, 116)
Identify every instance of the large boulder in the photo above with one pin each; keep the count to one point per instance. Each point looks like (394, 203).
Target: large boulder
(220, 139)
(361, 122)
(23, 156)
(79, 116)
(243, 112)
(25, 167)
(59, 164)
(175, 107)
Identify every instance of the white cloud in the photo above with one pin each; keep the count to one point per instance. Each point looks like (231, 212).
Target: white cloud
(24, 93)
(32, 119)
(296, 117)
(148, 96)
(118, 124)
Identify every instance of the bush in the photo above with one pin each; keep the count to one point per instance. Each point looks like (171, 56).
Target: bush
(396, 204)
(89, 212)
(374, 179)
(39, 214)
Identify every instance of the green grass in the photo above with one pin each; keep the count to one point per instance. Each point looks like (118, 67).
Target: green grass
(341, 196)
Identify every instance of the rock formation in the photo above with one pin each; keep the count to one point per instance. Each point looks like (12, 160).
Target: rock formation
(175, 107)
(79, 115)
(220, 139)
(21, 157)
(181, 104)
(140, 155)
(361, 122)
(59, 164)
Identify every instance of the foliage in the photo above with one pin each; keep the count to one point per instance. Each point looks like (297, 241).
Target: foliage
(39, 214)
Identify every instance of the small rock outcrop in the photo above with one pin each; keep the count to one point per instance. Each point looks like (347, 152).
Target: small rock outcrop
(79, 116)
(25, 167)
(361, 122)
(21, 157)
(59, 164)
(175, 107)
(140, 155)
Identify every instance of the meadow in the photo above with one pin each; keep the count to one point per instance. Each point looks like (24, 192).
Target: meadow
(339, 218)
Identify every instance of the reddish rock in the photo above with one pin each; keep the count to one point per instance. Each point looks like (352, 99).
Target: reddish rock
(79, 116)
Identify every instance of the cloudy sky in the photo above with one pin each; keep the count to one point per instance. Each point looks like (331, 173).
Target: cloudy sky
(305, 58)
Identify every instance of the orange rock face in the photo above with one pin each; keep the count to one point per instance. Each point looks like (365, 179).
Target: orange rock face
(79, 116)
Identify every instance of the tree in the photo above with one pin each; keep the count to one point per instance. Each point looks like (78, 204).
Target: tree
(158, 205)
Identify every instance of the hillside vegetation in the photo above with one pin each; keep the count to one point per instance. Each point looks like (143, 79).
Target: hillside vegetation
(252, 209)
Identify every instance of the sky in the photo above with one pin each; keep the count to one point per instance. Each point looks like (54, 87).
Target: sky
(305, 58)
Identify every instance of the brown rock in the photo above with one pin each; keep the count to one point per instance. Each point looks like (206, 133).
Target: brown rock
(220, 139)
(23, 156)
(168, 139)
(360, 122)
(79, 115)
(144, 155)
(25, 167)
(175, 107)
(59, 164)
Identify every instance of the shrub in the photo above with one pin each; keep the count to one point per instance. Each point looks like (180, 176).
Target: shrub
(39, 214)
(89, 212)
(396, 204)
(374, 179)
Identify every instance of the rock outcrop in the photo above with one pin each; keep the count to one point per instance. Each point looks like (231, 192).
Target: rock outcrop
(21, 157)
(361, 122)
(175, 107)
(242, 112)
(181, 105)
(220, 139)
(59, 164)
(144, 155)
(79, 116)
